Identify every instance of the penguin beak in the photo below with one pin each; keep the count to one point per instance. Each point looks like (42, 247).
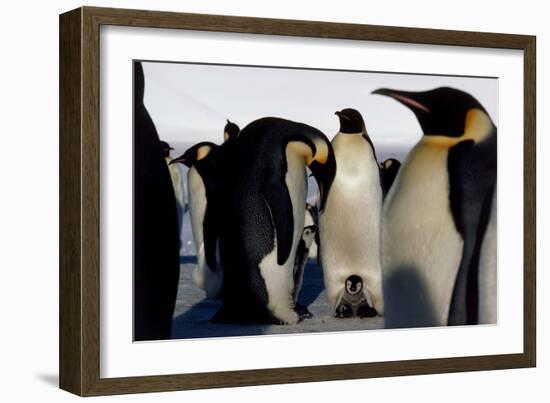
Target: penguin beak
(181, 159)
(407, 98)
(324, 175)
(341, 115)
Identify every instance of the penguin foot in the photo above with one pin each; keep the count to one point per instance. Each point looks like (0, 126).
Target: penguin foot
(303, 312)
(287, 318)
(344, 311)
(366, 311)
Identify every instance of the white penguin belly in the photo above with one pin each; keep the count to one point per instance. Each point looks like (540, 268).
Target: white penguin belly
(177, 185)
(350, 223)
(211, 282)
(279, 281)
(421, 248)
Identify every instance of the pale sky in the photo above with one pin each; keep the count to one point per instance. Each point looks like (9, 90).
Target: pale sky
(190, 102)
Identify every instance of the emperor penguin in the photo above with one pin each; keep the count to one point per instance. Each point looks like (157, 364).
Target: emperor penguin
(156, 238)
(349, 227)
(388, 172)
(177, 183)
(201, 182)
(437, 211)
(265, 189)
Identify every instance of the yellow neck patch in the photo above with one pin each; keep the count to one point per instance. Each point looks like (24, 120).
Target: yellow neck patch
(476, 127)
(304, 151)
(202, 152)
(321, 155)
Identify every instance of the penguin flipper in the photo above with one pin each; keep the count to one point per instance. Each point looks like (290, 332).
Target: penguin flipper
(472, 177)
(210, 237)
(279, 203)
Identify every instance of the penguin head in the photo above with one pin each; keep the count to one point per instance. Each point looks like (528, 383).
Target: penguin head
(195, 153)
(308, 234)
(318, 155)
(442, 111)
(354, 284)
(230, 131)
(391, 163)
(165, 147)
(351, 121)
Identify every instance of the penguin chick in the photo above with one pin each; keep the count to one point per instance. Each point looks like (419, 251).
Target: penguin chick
(302, 253)
(312, 218)
(354, 301)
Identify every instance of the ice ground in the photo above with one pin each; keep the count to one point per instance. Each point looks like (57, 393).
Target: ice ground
(193, 311)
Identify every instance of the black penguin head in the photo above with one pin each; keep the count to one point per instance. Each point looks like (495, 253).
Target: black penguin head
(230, 131)
(351, 121)
(354, 284)
(195, 153)
(165, 147)
(391, 164)
(441, 111)
(309, 231)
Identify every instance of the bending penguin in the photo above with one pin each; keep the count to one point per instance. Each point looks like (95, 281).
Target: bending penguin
(264, 207)
(177, 183)
(349, 227)
(437, 211)
(201, 182)
(388, 171)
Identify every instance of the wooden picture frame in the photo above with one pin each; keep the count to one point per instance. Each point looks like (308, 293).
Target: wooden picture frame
(80, 199)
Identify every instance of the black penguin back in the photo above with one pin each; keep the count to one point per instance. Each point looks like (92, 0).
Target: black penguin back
(156, 238)
(472, 181)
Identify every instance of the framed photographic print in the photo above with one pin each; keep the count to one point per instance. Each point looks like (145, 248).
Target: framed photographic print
(250, 201)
